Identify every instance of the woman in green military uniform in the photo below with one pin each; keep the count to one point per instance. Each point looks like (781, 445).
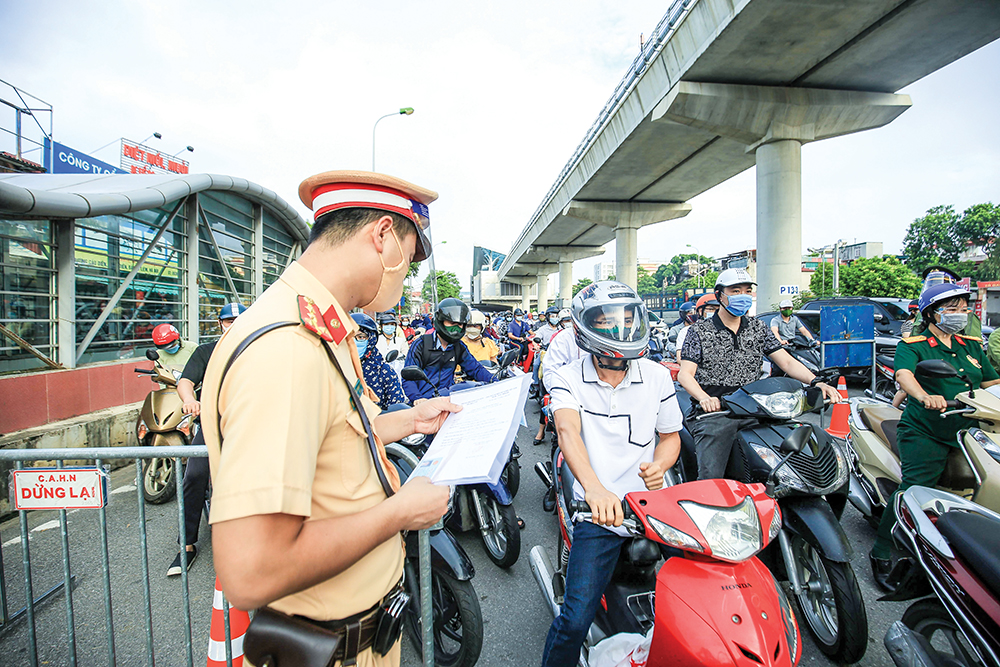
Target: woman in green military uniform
(924, 437)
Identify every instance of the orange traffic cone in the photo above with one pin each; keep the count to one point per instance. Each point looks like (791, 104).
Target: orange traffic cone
(239, 621)
(838, 420)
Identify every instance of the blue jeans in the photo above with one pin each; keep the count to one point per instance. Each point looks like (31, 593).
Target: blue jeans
(592, 560)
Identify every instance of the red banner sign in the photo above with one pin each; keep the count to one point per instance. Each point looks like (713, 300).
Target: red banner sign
(139, 159)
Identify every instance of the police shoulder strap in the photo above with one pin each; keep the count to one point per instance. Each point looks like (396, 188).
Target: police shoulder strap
(355, 398)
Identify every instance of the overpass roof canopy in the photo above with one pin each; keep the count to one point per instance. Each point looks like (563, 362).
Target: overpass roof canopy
(90, 195)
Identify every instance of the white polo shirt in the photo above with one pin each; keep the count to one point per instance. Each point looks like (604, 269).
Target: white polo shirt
(562, 350)
(619, 425)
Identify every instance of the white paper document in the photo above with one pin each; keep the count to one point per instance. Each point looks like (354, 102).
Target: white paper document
(474, 445)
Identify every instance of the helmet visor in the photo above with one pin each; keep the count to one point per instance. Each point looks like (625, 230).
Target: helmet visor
(458, 313)
(619, 323)
(937, 278)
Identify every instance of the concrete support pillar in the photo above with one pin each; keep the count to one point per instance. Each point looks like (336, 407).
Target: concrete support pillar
(566, 282)
(190, 325)
(779, 219)
(543, 291)
(525, 297)
(627, 253)
(65, 292)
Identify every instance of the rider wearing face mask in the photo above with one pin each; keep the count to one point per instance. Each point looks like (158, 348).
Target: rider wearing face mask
(174, 352)
(307, 511)
(480, 346)
(923, 437)
(785, 325)
(390, 337)
(722, 354)
(379, 375)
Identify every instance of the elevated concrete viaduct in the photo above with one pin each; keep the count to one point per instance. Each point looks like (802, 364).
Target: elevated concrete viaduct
(723, 85)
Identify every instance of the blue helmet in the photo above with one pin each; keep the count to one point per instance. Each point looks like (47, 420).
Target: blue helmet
(365, 323)
(941, 292)
(231, 311)
(688, 313)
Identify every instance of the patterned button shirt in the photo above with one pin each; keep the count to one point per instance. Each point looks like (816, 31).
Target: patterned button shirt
(727, 360)
(381, 379)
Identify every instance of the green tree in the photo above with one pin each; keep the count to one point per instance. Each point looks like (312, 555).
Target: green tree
(703, 281)
(675, 270)
(580, 284)
(821, 282)
(646, 283)
(447, 286)
(931, 239)
(660, 274)
(879, 276)
(980, 225)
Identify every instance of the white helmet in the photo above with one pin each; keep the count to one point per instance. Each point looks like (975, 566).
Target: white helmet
(565, 314)
(477, 318)
(610, 321)
(731, 277)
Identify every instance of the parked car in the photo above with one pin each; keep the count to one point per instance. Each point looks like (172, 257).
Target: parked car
(889, 317)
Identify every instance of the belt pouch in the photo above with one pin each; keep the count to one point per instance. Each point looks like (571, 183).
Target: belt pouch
(275, 639)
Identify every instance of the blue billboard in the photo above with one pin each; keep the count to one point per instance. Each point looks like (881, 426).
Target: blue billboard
(61, 159)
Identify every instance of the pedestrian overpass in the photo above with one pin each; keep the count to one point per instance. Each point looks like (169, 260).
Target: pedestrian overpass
(724, 85)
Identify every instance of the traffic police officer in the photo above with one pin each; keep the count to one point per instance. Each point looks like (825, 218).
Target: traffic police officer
(300, 519)
(923, 437)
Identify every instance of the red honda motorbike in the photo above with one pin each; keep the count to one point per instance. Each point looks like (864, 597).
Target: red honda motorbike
(952, 568)
(711, 602)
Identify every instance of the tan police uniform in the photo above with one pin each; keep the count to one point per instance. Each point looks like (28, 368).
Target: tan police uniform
(294, 443)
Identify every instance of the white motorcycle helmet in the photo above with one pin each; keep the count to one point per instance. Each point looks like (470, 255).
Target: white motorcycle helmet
(610, 321)
(731, 277)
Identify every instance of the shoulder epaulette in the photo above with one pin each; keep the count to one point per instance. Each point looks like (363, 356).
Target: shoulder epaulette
(312, 318)
(914, 339)
(968, 337)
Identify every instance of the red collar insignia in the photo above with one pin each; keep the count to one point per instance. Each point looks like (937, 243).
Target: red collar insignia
(960, 341)
(337, 330)
(312, 319)
(932, 341)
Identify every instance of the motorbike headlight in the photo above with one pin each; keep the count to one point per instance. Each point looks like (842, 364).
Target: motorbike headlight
(414, 439)
(733, 533)
(783, 404)
(843, 466)
(775, 528)
(672, 536)
(984, 441)
(787, 477)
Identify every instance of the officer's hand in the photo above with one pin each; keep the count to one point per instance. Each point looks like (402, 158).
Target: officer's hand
(652, 475)
(192, 408)
(419, 401)
(424, 503)
(605, 507)
(829, 393)
(710, 404)
(429, 415)
(934, 403)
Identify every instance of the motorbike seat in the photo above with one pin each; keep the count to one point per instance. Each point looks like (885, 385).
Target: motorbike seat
(883, 422)
(976, 539)
(957, 475)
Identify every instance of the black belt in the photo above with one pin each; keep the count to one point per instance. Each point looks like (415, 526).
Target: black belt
(358, 631)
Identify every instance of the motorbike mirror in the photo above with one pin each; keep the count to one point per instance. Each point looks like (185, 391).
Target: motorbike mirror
(508, 358)
(797, 439)
(392, 356)
(936, 368)
(152, 355)
(814, 397)
(414, 374)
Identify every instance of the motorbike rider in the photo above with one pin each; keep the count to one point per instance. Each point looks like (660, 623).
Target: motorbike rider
(378, 374)
(938, 275)
(705, 307)
(550, 325)
(196, 473)
(501, 325)
(618, 423)
(562, 348)
(479, 345)
(722, 354)
(174, 352)
(923, 437)
(913, 311)
(405, 328)
(389, 336)
(518, 331)
(438, 352)
(785, 325)
(688, 316)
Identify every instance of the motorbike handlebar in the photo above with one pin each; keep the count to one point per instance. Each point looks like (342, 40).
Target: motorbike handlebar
(144, 371)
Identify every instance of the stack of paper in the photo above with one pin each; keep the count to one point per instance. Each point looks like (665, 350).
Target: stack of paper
(473, 445)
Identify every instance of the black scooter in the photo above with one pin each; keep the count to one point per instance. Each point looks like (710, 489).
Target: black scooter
(458, 618)
(812, 552)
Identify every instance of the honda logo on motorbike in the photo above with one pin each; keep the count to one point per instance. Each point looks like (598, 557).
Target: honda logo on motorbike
(730, 587)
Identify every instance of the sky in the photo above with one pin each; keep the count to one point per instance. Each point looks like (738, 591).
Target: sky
(502, 92)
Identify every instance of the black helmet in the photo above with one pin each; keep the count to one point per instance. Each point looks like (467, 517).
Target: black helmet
(452, 310)
(387, 317)
(688, 313)
(518, 312)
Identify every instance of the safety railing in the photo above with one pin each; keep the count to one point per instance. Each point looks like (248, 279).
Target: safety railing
(29, 614)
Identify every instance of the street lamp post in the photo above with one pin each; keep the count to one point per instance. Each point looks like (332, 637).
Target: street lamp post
(405, 111)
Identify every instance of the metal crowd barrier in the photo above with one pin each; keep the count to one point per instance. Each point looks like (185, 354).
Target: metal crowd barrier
(28, 613)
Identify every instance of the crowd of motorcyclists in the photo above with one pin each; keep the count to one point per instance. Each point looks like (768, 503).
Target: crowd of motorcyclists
(591, 366)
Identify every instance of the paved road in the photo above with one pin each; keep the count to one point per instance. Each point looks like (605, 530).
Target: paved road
(516, 619)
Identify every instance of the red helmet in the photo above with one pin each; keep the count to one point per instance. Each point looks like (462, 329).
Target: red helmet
(165, 334)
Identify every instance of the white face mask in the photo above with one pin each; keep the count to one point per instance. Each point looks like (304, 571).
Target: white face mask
(473, 333)
(568, 324)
